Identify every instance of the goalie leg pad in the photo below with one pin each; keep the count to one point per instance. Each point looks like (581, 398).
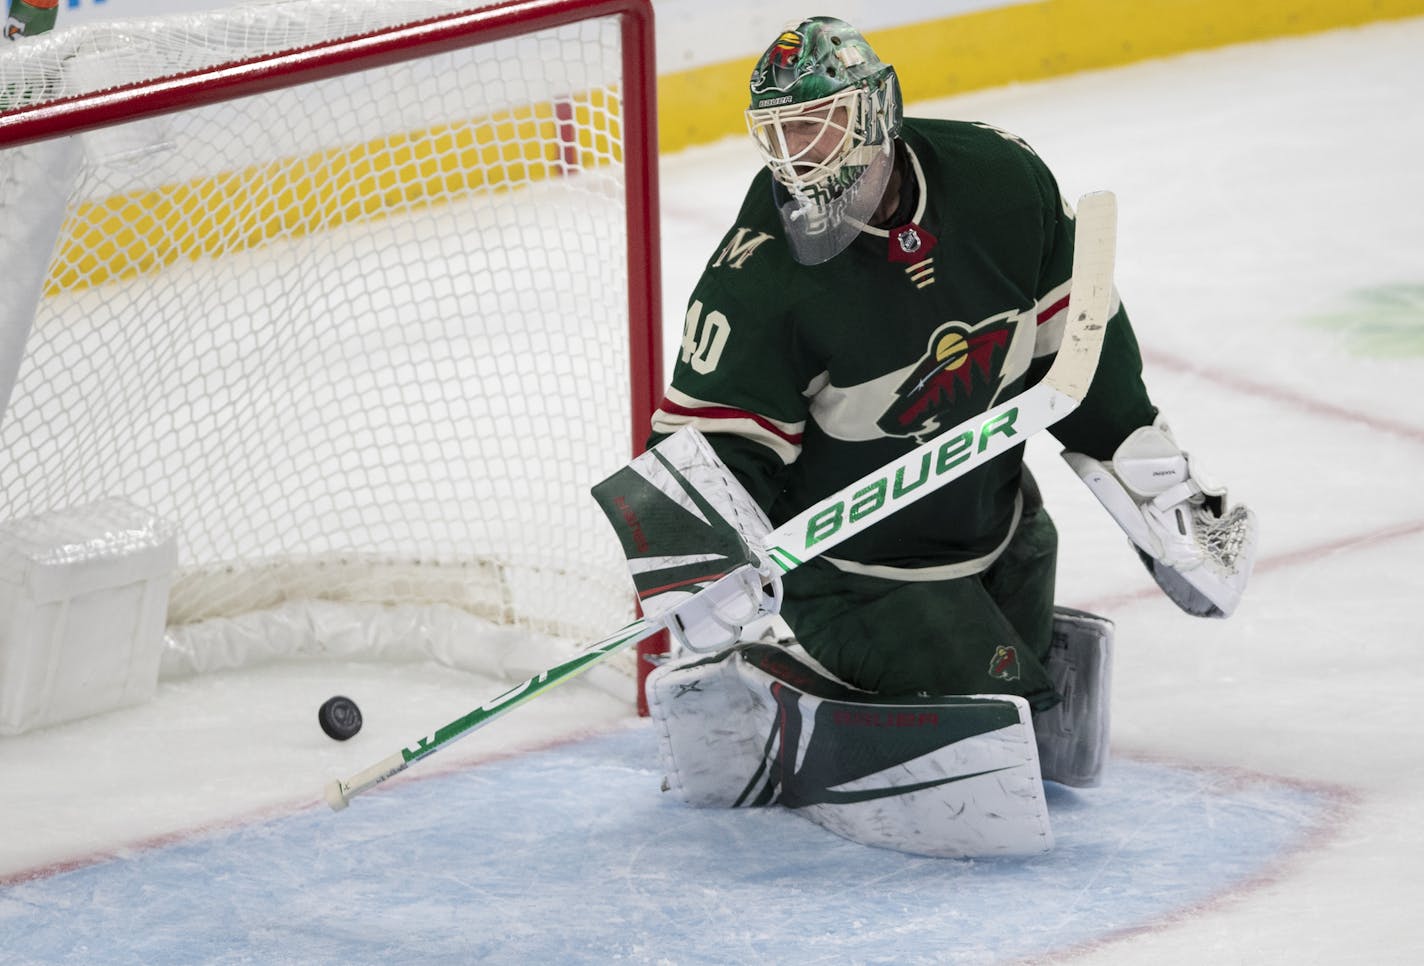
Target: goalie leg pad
(1073, 736)
(945, 776)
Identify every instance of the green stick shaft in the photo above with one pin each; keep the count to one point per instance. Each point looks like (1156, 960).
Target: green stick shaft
(918, 473)
(339, 793)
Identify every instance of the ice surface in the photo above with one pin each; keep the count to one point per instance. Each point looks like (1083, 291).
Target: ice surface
(1272, 257)
(569, 855)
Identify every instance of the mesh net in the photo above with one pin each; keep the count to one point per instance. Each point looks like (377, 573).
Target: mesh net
(1225, 539)
(364, 339)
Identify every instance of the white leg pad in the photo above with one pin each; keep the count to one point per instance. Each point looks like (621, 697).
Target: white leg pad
(1073, 736)
(948, 776)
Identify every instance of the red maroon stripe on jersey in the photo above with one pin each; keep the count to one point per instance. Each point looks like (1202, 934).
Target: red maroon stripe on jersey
(1052, 310)
(727, 412)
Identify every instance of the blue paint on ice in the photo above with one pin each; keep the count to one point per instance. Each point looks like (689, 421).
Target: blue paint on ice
(571, 855)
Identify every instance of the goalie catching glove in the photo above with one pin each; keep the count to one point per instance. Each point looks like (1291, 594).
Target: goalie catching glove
(1199, 552)
(693, 538)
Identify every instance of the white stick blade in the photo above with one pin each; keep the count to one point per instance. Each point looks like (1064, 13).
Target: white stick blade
(335, 796)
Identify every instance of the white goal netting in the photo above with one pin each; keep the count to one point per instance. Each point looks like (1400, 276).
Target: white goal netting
(364, 339)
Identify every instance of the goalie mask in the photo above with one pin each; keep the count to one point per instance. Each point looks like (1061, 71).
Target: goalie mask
(824, 113)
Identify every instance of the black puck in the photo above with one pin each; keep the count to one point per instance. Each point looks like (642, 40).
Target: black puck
(339, 718)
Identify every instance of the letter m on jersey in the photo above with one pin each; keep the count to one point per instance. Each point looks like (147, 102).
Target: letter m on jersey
(739, 248)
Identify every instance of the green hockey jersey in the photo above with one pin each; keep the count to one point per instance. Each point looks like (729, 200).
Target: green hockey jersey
(806, 378)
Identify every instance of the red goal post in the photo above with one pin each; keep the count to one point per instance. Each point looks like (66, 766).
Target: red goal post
(394, 380)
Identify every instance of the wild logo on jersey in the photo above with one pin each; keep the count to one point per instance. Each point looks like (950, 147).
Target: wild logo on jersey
(1004, 665)
(959, 374)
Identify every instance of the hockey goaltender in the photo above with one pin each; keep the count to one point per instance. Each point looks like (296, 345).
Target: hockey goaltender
(888, 278)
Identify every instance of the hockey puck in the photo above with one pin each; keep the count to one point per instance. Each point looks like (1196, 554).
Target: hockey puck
(339, 718)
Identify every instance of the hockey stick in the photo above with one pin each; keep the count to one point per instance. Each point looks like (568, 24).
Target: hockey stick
(845, 513)
(339, 793)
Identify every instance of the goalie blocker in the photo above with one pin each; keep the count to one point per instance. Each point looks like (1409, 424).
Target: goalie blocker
(949, 776)
(693, 539)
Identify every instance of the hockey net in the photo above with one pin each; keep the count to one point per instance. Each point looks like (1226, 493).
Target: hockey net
(358, 296)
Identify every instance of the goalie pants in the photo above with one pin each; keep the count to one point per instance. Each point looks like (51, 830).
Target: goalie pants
(984, 634)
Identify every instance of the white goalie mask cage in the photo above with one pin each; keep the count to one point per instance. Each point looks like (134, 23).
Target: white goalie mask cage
(830, 160)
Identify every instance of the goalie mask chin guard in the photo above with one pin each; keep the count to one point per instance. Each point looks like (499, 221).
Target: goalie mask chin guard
(824, 114)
